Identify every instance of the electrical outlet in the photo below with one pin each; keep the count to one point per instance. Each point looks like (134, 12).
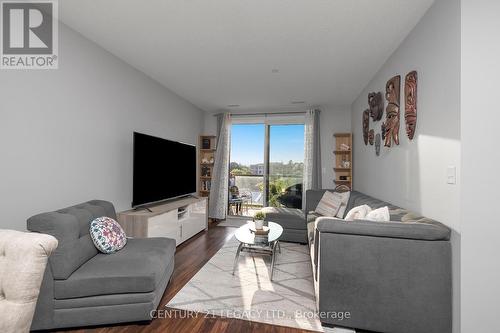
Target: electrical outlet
(451, 175)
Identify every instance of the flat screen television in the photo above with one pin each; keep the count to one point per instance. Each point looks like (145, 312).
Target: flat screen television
(163, 169)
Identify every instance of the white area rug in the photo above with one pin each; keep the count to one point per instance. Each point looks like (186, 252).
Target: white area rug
(288, 300)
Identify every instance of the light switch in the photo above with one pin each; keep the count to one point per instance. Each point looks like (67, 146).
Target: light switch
(451, 175)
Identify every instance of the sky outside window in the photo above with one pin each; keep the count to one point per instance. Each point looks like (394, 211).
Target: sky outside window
(247, 143)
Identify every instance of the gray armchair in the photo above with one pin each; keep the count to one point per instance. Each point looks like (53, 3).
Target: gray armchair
(83, 287)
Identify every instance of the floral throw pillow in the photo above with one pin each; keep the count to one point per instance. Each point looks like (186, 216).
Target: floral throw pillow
(107, 235)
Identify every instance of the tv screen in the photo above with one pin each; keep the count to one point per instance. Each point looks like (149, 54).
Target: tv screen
(163, 169)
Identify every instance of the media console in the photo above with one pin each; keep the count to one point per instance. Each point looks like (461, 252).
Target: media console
(179, 219)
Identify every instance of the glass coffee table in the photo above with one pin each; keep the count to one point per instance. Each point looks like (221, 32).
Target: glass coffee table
(255, 243)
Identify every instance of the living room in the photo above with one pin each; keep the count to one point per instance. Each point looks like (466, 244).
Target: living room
(281, 166)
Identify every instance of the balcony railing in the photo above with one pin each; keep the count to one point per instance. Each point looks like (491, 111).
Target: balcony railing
(284, 191)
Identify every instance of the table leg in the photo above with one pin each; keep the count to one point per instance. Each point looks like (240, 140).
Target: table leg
(273, 255)
(237, 256)
(279, 246)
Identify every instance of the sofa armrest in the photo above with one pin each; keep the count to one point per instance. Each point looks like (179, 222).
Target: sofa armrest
(391, 229)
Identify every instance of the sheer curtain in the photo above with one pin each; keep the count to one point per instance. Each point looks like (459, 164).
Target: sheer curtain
(218, 198)
(312, 153)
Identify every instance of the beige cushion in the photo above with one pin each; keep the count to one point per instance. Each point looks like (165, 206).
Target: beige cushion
(23, 257)
(329, 204)
(343, 205)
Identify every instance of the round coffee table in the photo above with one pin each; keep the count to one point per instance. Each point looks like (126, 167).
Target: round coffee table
(255, 243)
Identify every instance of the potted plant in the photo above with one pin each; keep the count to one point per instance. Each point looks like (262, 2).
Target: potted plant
(258, 218)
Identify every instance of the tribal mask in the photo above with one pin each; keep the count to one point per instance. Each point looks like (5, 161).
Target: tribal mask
(376, 104)
(366, 125)
(411, 103)
(392, 94)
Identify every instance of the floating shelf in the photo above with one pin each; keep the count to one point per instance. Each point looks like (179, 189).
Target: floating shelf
(342, 169)
(341, 151)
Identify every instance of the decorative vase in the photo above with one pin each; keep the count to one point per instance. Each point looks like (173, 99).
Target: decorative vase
(259, 224)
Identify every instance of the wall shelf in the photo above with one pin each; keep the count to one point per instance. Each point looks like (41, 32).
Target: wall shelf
(207, 155)
(343, 158)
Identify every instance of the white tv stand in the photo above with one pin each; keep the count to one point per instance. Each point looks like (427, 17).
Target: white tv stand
(178, 219)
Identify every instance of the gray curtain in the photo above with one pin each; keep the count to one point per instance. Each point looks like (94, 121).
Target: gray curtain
(312, 153)
(218, 198)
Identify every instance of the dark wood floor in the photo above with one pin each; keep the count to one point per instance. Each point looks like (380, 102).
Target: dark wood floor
(189, 259)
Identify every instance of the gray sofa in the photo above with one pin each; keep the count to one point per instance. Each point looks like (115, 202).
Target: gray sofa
(390, 276)
(292, 220)
(83, 287)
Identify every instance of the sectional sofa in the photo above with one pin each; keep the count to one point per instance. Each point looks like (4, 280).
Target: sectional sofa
(390, 276)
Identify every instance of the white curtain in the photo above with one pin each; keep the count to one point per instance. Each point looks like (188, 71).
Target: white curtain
(218, 199)
(312, 153)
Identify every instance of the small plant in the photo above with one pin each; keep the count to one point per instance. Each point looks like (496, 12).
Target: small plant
(259, 216)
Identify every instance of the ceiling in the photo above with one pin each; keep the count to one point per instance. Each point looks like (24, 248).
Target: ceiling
(259, 54)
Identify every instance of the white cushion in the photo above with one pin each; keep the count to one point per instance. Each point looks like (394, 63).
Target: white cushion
(329, 204)
(345, 199)
(358, 212)
(380, 214)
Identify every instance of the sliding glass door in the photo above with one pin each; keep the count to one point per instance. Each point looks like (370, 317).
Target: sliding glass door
(246, 169)
(266, 167)
(286, 165)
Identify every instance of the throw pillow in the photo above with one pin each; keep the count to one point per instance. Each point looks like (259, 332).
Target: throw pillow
(107, 235)
(380, 214)
(358, 212)
(345, 199)
(329, 204)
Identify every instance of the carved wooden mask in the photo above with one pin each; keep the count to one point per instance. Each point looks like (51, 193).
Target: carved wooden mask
(411, 103)
(376, 103)
(366, 125)
(377, 144)
(371, 136)
(392, 95)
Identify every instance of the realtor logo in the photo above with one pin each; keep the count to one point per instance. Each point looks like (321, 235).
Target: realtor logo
(29, 32)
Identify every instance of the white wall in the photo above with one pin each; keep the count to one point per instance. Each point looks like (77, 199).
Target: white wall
(413, 174)
(480, 162)
(66, 134)
(332, 120)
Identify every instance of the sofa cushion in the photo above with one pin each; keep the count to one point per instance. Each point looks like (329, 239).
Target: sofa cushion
(358, 212)
(396, 213)
(70, 226)
(329, 204)
(288, 218)
(138, 267)
(107, 235)
(380, 214)
(345, 200)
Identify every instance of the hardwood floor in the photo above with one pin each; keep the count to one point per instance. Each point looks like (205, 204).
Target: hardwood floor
(189, 259)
